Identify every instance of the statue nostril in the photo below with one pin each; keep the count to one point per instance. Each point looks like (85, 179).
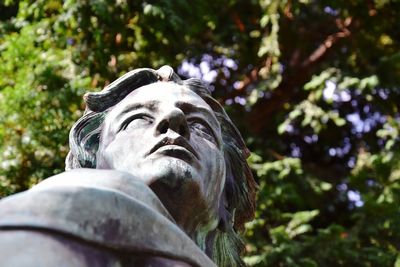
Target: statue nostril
(163, 127)
(182, 130)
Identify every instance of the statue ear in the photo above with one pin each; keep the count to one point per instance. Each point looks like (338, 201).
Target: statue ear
(84, 141)
(71, 162)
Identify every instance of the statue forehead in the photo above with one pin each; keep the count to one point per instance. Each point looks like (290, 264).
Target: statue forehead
(157, 95)
(161, 92)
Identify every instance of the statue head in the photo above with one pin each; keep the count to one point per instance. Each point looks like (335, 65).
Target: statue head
(172, 135)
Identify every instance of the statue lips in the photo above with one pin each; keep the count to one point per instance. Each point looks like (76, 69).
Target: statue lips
(176, 147)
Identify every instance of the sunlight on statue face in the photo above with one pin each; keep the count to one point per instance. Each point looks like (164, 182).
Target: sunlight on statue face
(167, 136)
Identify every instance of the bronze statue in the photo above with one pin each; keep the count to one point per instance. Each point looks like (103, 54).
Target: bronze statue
(156, 176)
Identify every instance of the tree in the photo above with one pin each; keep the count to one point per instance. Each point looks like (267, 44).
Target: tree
(312, 85)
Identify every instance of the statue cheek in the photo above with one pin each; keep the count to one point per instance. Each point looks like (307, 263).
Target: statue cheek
(110, 155)
(215, 178)
(221, 173)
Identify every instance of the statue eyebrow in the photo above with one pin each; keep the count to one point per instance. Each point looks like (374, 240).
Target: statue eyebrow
(188, 108)
(150, 105)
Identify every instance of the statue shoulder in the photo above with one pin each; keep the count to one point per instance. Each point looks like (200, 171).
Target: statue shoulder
(111, 179)
(105, 180)
(110, 209)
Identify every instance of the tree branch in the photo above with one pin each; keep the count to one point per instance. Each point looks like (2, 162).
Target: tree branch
(240, 90)
(299, 74)
(329, 42)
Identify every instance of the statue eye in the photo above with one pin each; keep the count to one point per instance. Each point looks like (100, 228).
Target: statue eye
(202, 129)
(136, 121)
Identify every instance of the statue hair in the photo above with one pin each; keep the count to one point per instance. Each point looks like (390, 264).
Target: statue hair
(223, 244)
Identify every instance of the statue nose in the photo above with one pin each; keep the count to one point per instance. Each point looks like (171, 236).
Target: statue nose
(176, 121)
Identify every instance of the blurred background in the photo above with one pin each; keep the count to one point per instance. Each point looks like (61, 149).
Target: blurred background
(312, 85)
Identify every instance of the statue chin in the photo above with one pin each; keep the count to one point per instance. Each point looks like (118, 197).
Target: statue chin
(173, 172)
(172, 169)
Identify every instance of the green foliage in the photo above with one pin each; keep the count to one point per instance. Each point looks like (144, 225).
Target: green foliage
(313, 85)
(39, 102)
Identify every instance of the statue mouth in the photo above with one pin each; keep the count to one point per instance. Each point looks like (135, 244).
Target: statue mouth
(177, 147)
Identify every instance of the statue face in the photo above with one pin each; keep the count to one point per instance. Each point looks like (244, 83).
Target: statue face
(167, 136)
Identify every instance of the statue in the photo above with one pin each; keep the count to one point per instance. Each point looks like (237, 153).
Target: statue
(156, 176)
